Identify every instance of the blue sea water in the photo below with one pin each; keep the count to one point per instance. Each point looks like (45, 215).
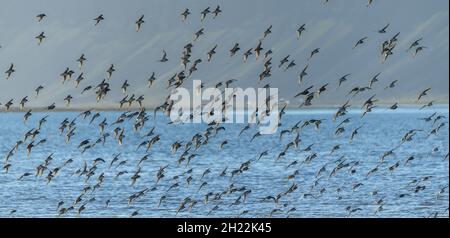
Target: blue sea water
(316, 196)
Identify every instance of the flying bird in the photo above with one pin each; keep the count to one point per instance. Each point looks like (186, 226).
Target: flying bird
(302, 74)
(343, 79)
(185, 14)
(360, 42)
(164, 57)
(314, 52)
(418, 49)
(99, 19)
(198, 34)
(10, 71)
(81, 61)
(40, 38)
(423, 93)
(139, 22)
(374, 80)
(41, 17)
(414, 44)
(204, 13)
(110, 71)
(300, 30)
(216, 12)
(383, 30)
(211, 53)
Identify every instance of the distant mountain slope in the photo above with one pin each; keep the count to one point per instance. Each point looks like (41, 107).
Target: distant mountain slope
(333, 27)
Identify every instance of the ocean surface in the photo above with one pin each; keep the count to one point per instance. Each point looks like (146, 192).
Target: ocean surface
(418, 188)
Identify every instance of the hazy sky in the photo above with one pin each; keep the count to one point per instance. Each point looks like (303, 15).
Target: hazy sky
(334, 27)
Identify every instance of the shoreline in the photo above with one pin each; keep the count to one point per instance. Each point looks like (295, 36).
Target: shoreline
(289, 108)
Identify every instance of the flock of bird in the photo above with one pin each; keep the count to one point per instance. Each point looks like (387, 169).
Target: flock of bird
(187, 151)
